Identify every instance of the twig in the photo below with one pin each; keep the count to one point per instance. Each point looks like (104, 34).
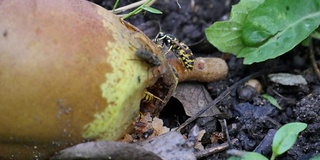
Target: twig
(177, 1)
(130, 6)
(134, 5)
(213, 150)
(278, 125)
(227, 134)
(313, 61)
(278, 94)
(218, 99)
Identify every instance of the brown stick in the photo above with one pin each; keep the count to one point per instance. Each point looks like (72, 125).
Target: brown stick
(213, 150)
(313, 61)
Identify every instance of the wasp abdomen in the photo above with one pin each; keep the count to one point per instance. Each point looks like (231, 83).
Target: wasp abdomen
(147, 97)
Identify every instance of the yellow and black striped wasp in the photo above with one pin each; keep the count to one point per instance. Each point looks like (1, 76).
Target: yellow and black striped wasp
(180, 49)
(153, 61)
(147, 97)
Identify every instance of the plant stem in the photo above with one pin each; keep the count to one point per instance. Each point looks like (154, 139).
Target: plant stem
(273, 157)
(115, 5)
(137, 10)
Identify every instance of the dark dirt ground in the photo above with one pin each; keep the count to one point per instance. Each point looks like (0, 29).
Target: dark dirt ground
(251, 119)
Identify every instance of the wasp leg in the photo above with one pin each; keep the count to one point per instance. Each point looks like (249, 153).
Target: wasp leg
(170, 48)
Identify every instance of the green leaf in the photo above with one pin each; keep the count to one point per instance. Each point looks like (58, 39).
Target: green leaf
(317, 157)
(151, 10)
(249, 156)
(272, 100)
(266, 29)
(285, 137)
(226, 36)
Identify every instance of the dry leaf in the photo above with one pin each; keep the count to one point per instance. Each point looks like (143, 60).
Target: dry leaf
(288, 79)
(169, 146)
(194, 97)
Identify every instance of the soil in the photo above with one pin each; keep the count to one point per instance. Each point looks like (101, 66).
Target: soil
(250, 118)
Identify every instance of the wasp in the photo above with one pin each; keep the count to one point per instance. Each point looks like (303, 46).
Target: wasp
(153, 61)
(147, 97)
(180, 49)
